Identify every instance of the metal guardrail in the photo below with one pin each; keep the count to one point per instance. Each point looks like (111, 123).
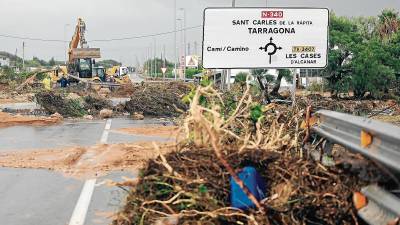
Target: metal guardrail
(383, 207)
(373, 139)
(376, 140)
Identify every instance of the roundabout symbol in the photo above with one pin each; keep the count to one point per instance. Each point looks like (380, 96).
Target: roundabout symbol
(270, 51)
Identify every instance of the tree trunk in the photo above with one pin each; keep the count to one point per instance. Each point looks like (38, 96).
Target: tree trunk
(264, 91)
(277, 86)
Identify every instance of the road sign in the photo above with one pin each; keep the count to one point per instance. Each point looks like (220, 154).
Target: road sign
(163, 70)
(192, 61)
(265, 38)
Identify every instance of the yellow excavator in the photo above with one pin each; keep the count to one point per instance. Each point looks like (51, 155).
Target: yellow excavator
(119, 73)
(81, 61)
(81, 65)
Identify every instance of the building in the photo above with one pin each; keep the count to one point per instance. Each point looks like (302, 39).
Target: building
(310, 76)
(4, 61)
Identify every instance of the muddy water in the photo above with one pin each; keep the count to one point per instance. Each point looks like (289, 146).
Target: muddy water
(61, 147)
(72, 134)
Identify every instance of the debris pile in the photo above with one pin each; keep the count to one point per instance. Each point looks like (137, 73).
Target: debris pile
(158, 99)
(58, 103)
(191, 185)
(71, 105)
(355, 107)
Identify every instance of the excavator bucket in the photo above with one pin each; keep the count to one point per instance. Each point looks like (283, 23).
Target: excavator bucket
(85, 53)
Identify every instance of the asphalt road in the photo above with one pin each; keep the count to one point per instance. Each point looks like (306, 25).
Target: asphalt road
(40, 197)
(135, 78)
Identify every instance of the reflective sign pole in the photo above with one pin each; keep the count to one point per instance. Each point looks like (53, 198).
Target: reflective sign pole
(175, 55)
(229, 72)
(294, 87)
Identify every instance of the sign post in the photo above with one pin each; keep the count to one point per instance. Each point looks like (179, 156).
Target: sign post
(163, 70)
(192, 61)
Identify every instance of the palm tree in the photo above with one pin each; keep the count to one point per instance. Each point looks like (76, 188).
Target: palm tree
(282, 73)
(389, 24)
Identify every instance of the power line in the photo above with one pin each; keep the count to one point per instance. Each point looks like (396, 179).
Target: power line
(99, 40)
(30, 39)
(145, 36)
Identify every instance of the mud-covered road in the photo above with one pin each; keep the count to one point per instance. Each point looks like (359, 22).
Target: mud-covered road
(49, 197)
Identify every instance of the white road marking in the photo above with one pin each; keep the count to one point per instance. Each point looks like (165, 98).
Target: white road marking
(79, 215)
(81, 208)
(106, 131)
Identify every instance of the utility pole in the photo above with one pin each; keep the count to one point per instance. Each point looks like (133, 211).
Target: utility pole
(15, 62)
(180, 45)
(175, 39)
(150, 63)
(229, 72)
(164, 62)
(184, 43)
(23, 55)
(155, 58)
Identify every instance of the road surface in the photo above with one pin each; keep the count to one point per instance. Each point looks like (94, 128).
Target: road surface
(136, 78)
(41, 197)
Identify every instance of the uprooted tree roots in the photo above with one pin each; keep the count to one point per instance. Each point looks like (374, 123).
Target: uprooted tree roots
(191, 185)
(54, 102)
(158, 99)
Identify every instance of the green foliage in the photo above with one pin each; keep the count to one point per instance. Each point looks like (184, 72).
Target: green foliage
(241, 78)
(269, 77)
(203, 189)
(389, 24)
(369, 72)
(259, 72)
(149, 67)
(286, 74)
(256, 112)
(205, 81)
(108, 63)
(364, 54)
(190, 72)
(52, 62)
(314, 87)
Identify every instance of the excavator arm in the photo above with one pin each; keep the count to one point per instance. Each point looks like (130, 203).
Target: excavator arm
(80, 60)
(79, 39)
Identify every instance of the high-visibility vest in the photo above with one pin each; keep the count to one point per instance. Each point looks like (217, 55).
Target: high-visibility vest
(47, 83)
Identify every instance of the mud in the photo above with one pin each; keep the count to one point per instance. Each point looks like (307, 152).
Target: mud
(86, 162)
(8, 120)
(158, 131)
(9, 98)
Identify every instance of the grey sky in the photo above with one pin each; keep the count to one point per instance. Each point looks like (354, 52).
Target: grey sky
(107, 19)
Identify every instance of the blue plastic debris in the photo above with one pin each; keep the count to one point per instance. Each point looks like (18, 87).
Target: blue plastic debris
(253, 182)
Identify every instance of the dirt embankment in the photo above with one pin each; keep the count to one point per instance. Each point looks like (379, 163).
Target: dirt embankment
(7, 120)
(83, 162)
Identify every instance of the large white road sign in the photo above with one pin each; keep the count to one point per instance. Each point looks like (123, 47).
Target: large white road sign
(265, 38)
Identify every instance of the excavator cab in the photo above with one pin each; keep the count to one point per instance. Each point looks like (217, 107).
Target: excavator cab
(100, 72)
(85, 68)
(81, 60)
